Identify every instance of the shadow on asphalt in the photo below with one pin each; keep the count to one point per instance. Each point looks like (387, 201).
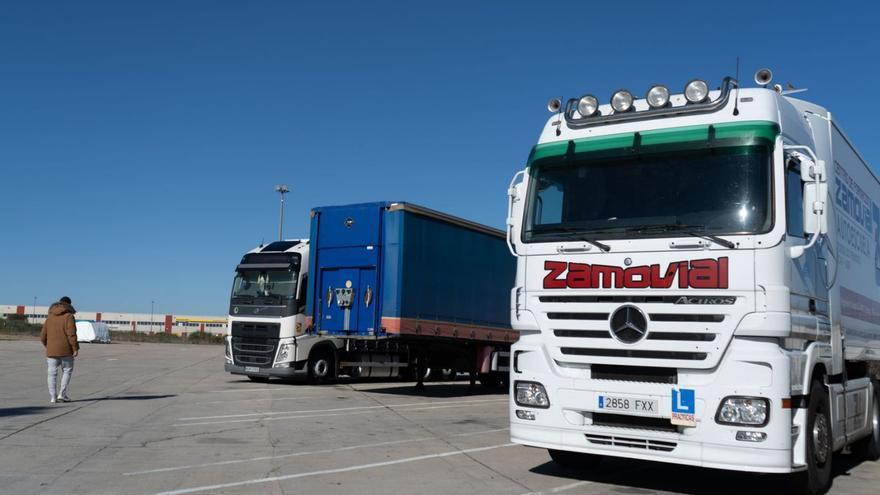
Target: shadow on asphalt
(636, 476)
(21, 411)
(446, 389)
(127, 397)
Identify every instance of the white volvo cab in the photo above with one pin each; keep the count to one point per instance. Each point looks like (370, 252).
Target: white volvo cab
(698, 283)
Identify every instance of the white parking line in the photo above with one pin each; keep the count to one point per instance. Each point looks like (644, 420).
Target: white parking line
(562, 488)
(297, 454)
(353, 411)
(272, 413)
(270, 479)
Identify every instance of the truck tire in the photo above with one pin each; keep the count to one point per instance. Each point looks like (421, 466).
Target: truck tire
(321, 366)
(258, 379)
(868, 448)
(574, 460)
(816, 479)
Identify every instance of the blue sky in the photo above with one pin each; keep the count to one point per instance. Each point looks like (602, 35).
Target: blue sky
(139, 142)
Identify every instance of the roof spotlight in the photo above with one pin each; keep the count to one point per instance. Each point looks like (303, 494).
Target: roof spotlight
(657, 96)
(622, 101)
(588, 105)
(696, 91)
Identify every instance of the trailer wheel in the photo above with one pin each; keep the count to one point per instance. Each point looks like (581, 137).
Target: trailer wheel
(258, 379)
(816, 479)
(574, 460)
(321, 365)
(869, 447)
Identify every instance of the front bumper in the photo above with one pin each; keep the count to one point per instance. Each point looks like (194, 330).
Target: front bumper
(749, 368)
(292, 372)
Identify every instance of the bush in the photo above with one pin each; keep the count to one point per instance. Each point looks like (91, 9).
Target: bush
(19, 326)
(166, 338)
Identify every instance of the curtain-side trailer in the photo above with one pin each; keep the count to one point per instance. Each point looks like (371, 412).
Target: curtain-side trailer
(397, 288)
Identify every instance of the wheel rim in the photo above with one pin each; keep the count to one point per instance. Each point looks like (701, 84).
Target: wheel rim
(821, 440)
(321, 368)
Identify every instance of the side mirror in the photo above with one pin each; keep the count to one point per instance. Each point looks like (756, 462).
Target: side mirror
(516, 193)
(815, 199)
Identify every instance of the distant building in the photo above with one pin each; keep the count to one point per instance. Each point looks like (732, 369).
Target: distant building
(131, 322)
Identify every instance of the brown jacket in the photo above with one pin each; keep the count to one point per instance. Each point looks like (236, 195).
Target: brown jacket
(59, 331)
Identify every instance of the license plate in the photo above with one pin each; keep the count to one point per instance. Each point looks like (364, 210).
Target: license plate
(633, 405)
(251, 369)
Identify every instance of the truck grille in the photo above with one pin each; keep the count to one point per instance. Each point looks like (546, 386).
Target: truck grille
(632, 443)
(679, 335)
(253, 351)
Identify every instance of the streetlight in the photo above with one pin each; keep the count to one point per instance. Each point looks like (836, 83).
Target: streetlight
(152, 303)
(282, 190)
(34, 311)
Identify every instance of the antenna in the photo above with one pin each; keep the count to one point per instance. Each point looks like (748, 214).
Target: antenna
(736, 97)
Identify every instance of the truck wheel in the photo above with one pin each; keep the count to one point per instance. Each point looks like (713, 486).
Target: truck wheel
(869, 447)
(490, 380)
(321, 366)
(574, 460)
(816, 479)
(258, 379)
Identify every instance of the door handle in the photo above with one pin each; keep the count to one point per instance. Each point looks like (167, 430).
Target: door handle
(329, 296)
(368, 296)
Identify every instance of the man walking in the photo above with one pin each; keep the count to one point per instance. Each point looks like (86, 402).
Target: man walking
(59, 338)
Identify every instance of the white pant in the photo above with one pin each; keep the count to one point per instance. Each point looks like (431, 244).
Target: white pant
(66, 364)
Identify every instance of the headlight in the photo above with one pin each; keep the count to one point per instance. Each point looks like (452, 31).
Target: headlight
(622, 101)
(588, 105)
(531, 394)
(284, 352)
(743, 411)
(696, 91)
(658, 96)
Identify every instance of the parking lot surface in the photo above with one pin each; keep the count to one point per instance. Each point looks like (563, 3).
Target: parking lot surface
(165, 418)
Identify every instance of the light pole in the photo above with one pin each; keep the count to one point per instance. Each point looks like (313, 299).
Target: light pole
(34, 309)
(282, 190)
(152, 303)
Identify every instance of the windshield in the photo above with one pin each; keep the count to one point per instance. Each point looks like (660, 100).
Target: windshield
(720, 190)
(276, 287)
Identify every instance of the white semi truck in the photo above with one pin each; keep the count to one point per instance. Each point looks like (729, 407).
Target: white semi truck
(266, 312)
(698, 282)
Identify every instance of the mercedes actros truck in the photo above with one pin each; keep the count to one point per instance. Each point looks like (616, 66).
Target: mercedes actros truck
(698, 282)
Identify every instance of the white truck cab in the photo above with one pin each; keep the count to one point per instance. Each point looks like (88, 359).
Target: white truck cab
(266, 311)
(698, 282)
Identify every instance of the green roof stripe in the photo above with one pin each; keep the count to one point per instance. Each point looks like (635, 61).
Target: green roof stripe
(749, 130)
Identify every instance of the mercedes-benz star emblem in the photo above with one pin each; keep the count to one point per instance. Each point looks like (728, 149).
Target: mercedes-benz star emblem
(628, 324)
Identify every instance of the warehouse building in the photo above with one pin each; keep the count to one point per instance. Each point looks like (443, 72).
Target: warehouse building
(132, 322)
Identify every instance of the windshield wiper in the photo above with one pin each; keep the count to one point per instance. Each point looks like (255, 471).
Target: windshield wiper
(691, 230)
(573, 233)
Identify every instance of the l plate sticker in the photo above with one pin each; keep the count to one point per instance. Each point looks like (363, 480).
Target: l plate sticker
(684, 407)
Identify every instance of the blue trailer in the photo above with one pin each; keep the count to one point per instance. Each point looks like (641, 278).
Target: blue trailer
(395, 287)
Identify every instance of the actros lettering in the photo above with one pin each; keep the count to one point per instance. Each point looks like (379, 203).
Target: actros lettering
(695, 274)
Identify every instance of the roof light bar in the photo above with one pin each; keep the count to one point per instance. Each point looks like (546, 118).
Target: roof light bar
(578, 111)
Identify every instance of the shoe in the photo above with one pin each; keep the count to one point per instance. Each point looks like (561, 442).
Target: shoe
(52, 400)
(64, 399)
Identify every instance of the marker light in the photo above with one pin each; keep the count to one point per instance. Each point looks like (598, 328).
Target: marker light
(658, 96)
(696, 91)
(588, 105)
(622, 101)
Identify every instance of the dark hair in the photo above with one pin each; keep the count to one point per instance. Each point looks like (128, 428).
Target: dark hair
(65, 300)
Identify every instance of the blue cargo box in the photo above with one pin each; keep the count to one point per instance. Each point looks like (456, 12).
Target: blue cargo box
(400, 270)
